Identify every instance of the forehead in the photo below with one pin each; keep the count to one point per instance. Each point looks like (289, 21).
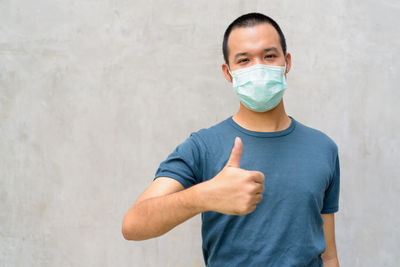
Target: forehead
(248, 39)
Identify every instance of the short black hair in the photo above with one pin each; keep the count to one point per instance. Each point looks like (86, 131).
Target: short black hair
(250, 20)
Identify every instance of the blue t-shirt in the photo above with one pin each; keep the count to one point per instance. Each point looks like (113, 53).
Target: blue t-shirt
(302, 176)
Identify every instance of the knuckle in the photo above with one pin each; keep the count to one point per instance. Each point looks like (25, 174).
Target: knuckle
(262, 188)
(251, 188)
(249, 199)
(248, 176)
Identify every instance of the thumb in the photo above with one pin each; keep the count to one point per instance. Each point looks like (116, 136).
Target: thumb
(236, 154)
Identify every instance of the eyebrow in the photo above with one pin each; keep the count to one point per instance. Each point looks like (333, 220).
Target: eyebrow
(269, 49)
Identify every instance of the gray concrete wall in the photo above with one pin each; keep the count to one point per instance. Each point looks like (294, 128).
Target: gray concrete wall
(95, 94)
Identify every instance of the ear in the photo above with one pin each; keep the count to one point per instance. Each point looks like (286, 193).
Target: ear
(225, 71)
(288, 63)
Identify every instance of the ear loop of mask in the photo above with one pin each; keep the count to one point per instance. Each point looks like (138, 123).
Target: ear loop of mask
(286, 71)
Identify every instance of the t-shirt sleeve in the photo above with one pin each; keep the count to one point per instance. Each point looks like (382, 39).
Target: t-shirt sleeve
(331, 199)
(184, 164)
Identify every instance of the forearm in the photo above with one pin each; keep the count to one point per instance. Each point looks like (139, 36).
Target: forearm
(156, 216)
(232, 191)
(332, 262)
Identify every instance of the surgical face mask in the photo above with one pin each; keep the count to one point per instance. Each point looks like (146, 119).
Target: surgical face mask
(259, 87)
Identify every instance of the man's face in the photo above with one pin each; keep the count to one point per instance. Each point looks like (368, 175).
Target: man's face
(258, 44)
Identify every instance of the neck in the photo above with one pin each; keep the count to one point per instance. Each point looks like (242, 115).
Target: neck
(273, 120)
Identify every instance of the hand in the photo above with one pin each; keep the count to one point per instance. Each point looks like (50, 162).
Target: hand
(233, 190)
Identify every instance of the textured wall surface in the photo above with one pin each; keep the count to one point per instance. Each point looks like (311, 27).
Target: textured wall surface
(94, 94)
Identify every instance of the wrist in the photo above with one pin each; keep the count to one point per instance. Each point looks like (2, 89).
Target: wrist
(201, 197)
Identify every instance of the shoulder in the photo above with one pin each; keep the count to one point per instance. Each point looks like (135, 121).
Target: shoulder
(316, 136)
(211, 134)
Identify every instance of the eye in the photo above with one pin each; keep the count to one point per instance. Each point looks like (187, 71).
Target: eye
(270, 56)
(242, 60)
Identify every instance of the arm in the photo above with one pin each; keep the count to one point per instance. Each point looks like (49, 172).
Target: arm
(329, 257)
(166, 204)
(161, 207)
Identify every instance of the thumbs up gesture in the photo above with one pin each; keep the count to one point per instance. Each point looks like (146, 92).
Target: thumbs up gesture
(233, 190)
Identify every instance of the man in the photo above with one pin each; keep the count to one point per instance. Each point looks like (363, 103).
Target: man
(269, 200)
